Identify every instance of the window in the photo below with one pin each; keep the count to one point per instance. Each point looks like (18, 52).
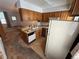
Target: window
(2, 18)
(76, 18)
(13, 18)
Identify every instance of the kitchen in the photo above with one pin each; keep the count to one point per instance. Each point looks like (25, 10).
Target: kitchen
(28, 23)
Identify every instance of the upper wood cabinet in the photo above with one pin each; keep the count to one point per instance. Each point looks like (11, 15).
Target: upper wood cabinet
(75, 8)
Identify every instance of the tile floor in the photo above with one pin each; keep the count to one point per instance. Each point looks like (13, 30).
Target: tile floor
(12, 53)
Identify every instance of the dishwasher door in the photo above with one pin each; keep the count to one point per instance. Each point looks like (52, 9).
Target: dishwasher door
(31, 37)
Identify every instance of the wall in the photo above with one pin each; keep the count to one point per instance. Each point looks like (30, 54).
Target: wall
(16, 14)
(11, 13)
(64, 15)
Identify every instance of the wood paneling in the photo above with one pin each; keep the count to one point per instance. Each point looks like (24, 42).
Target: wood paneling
(63, 15)
(9, 13)
(30, 15)
(44, 17)
(75, 8)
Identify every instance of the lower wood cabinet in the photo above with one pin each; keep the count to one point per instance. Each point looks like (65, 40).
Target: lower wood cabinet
(28, 37)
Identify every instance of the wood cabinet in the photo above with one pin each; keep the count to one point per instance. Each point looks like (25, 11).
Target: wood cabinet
(75, 8)
(63, 15)
(30, 15)
(44, 32)
(2, 33)
(39, 33)
(27, 37)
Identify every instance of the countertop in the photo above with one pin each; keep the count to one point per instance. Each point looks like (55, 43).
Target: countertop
(29, 30)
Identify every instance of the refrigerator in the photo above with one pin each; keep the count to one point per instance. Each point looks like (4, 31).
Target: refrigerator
(60, 37)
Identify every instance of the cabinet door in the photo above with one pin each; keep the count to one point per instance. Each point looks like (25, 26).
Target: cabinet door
(76, 8)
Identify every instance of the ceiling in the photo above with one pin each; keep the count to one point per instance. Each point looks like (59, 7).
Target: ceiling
(43, 4)
(39, 3)
(49, 3)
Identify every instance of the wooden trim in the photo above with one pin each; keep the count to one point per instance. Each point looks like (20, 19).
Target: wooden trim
(20, 12)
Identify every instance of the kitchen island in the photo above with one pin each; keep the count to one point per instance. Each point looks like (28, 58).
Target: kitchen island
(29, 35)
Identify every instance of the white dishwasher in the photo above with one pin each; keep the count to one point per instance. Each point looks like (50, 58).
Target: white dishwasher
(31, 37)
